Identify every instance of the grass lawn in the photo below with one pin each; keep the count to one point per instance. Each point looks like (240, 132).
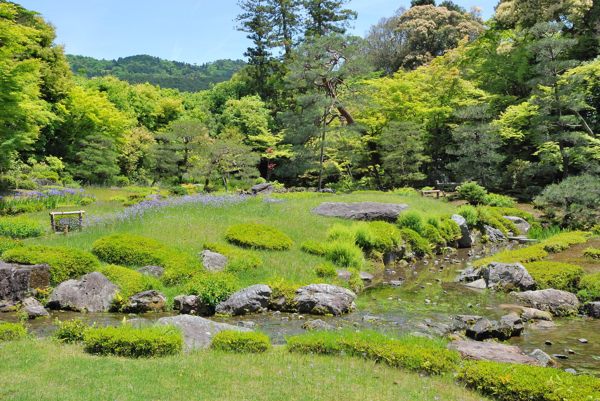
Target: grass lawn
(45, 370)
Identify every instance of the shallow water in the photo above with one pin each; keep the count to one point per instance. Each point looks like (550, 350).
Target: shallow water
(405, 308)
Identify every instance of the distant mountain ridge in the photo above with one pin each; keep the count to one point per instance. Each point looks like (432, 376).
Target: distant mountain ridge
(156, 71)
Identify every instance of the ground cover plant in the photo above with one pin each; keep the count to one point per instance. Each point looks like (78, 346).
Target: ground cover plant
(12, 331)
(560, 276)
(258, 236)
(133, 342)
(20, 227)
(592, 253)
(239, 341)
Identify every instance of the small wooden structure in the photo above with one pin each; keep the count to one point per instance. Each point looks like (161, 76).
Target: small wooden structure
(447, 185)
(436, 192)
(53, 221)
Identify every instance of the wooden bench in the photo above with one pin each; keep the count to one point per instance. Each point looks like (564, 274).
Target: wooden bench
(53, 215)
(449, 185)
(435, 192)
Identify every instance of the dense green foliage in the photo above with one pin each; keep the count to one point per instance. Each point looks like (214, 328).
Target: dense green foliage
(513, 382)
(155, 71)
(237, 260)
(591, 253)
(212, 288)
(129, 281)
(20, 227)
(65, 263)
(416, 354)
(589, 286)
(70, 331)
(131, 342)
(12, 331)
(239, 341)
(8, 243)
(130, 250)
(560, 276)
(258, 236)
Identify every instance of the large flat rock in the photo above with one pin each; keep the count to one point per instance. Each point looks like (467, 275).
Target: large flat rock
(558, 303)
(91, 293)
(17, 282)
(198, 332)
(487, 351)
(361, 210)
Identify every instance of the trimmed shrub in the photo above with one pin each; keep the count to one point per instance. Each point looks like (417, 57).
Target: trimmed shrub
(560, 242)
(433, 235)
(238, 341)
(450, 230)
(589, 288)
(258, 236)
(499, 200)
(130, 250)
(325, 271)
(529, 254)
(387, 236)
(434, 220)
(70, 331)
(416, 243)
(20, 227)
(129, 281)
(513, 382)
(132, 342)
(412, 220)
(12, 331)
(560, 276)
(121, 181)
(472, 192)
(589, 253)
(313, 247)
(355, 282)
(212, 288)
(420, 355)
(364, 236)
(65, 263)
(344, 253)
(470, 214)
(237, 260)
(119, 199)
(340, 232)
(8, 243)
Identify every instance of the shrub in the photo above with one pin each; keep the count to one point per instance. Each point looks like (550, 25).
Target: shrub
(70, 331)
(560, 242)
(180, 191)
(238, 341)
(355, 282)
(589, 288)
(86, 201)
(283, 288)
(325, 270)
(472, 192)
(12, 331)
(344, 253)
(513, 382)
(118, 199)
(498, 200)
(560, 276)
(130, 250)
(412, 220)
(509, 211)
(450, 230)
(529, 254)
(470, 214)
(589, 253)
(386, 236)
(132, 342)
(416, 243)
(364, 236)
(121, 181)
(495, 223)
(433, 235)
(313, 247)
(434, 220)
(420, 355)
(237, 260)
(405, 191)
(211, 288)
(8, 243)
(65, 263)
(258, 236)
(20, 227)
(340, 232)
(7, 183)
(129, 281)
(27, 184)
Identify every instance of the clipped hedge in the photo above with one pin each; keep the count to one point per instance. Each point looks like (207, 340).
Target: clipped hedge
(313, 247)
(560, 276)
(65, 263)
(420, 355)
(243, 342)
(589, 253)
(513, 382)
(386, 236)
(524, 255)
(130, 250)
(20, 227)
(132, 342)
(562, 241)
(238, 260)
(258, 236)
(212, 288)
(12, 331)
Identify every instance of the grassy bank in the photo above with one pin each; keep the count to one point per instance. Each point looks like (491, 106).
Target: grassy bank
(43, 369)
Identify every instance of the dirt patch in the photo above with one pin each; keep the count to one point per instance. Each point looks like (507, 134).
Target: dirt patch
(574, 255)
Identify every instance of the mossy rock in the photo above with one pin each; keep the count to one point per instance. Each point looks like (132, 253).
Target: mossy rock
(258, 236)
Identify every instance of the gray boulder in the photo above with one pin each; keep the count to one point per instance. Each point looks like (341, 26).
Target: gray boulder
(466, 240)
(321, 299)
(489, 351)
(18, 282)
(192, 305)
(507, 276)
(558, 303)
(361, 211)
(477, 284)
(593, 309)
(198, 332)
(521, 224)
(509, 326)
(147, 301)
(494, 235)
(469, 274)
(249, 300)
(212, 261)
(152, 271)
(344, 275)
(266, 189)
(317, 324)
(366, 276)
(33, 308)
(545, 359)
(92, 293)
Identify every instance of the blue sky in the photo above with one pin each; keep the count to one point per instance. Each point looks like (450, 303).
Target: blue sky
(192, 31)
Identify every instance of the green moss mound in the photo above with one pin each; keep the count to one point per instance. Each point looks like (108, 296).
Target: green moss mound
(20, 227)
(523, 255)
(244, 342)
(313, 247)
(450, 230)
(65, 263)
(12, 331)
(560, 276)
(129, 281)
(131, 342)
(512, 382)
(591, 253)
(563, 241)
(415, 242)
(238, 260)
(258, 236)
(212, 288)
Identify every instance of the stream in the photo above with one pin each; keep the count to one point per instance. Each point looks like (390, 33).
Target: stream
(427, 298)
